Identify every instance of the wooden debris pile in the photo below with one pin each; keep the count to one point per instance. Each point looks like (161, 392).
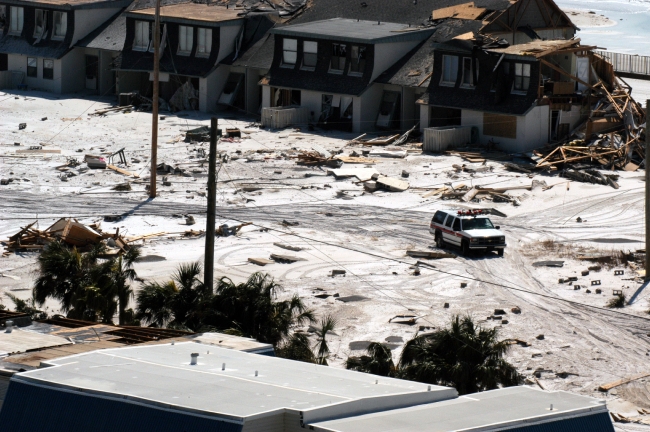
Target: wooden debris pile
(465, 193)
(314, 158)
(69, 231)
(612, 136)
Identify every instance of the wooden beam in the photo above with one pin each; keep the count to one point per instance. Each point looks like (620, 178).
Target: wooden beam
(557, 48)
(609, 386)
(568, 75)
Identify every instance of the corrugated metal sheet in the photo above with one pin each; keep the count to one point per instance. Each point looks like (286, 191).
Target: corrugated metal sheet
(593, 423)
(439, 139)
(30, 408)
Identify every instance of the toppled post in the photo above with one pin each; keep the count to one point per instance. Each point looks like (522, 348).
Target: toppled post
(208, 272)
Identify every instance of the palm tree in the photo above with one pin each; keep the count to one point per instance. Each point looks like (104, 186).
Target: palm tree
(379, 360)
(177, 303)
(252, 309)
(64, 274)
(122, 273)
(327, 324)
(297, 347)
(465, 356)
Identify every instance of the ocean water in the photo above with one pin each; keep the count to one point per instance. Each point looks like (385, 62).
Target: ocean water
(631, 32)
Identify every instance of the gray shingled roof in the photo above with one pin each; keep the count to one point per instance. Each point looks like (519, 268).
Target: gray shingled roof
(110, 36)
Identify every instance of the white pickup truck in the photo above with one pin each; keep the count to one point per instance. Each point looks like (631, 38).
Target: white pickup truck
(468, 229)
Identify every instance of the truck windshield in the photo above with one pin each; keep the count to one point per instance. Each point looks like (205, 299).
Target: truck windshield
(477, 223)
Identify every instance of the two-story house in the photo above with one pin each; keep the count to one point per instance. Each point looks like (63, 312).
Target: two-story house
(330, 68)
(38, 39)
(194, 38)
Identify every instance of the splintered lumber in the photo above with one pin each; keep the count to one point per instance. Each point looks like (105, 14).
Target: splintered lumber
(260, 261)
(146, 236)
(355, 159)
(39, 151)
(288, 247)
(429, 254)
(286, 258)
(122, 171)
(469, 195)
(609, 386)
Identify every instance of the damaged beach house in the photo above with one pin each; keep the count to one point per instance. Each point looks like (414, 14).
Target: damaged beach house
(38, 44)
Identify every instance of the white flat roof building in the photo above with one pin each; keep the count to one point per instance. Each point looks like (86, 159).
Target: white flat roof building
(156, 387)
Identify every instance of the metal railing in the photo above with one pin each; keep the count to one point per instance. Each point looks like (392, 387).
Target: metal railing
(627, 63)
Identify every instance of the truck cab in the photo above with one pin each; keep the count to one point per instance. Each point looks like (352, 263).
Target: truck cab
(468, 229)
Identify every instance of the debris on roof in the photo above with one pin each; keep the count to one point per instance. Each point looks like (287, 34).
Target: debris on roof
(462, 11)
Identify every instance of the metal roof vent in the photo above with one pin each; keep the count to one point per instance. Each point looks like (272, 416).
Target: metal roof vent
(9, 326)
(223, 366)
(194, 357)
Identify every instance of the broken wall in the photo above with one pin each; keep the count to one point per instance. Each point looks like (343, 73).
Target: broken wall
(532, 130)
(210, 88)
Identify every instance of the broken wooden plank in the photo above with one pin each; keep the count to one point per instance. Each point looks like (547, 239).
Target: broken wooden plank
(288, 247)
(611, 385)
(260, 261)
(286, 258)
(469, 195)
(122, 171)
(392, 184)
(429, 254)
(40, 151)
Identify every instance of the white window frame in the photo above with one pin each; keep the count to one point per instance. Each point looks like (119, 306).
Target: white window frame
(43, 15)
(50, 61)
(343, 49)
(521, 72)
(463, 82)
(62, 18)
(289, 52)
(34, 65)
(309, 48)
(17, 20)
(141, 41)
(185, 40)
(359, 50)
(449, 62)
(203, 42)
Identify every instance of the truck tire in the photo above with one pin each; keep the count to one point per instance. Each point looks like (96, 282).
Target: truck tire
(500, 252)
(465, 247)
(440, 243)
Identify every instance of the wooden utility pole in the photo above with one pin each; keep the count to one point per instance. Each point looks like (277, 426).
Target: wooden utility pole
(647, 192)
(154, 108)
(208, 266)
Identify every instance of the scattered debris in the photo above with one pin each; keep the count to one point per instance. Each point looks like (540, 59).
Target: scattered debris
(549, 264)
(286, 259)
(260, 261)
(288, 247)
(429, 254)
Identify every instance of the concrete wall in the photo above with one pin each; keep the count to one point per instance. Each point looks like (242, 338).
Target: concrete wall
(424, 117)
(87, 20)
(227, 36)
(17, 62)
(73, 71)
(210, 87)
(313, 101)
(368, 107)
(532, 130)
(253, 96)
(387, 54)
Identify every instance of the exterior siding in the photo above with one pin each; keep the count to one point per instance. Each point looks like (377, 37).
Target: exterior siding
(29, 408)
(592, 423)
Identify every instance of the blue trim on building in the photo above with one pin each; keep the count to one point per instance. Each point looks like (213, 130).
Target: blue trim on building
(31, 408)
(600, 422)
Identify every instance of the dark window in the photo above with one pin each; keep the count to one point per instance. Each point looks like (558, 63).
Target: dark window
(522, 76)
(477, 223)
(4, 62)
(439, 217)
(468, 79)
(309, 54)
(358, 60)
(339, 52)
(32, 67)
(48, 69)
(450, 219)
(457, 225)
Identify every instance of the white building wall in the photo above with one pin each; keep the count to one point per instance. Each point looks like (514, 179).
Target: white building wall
(227, 39)
(87, 20)
(266, 96)
(17, 62)
(369, 107)
(424, 117)
(532, 130)
(572, 117)
(313, 101)
(210, 88)
(387, 54)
